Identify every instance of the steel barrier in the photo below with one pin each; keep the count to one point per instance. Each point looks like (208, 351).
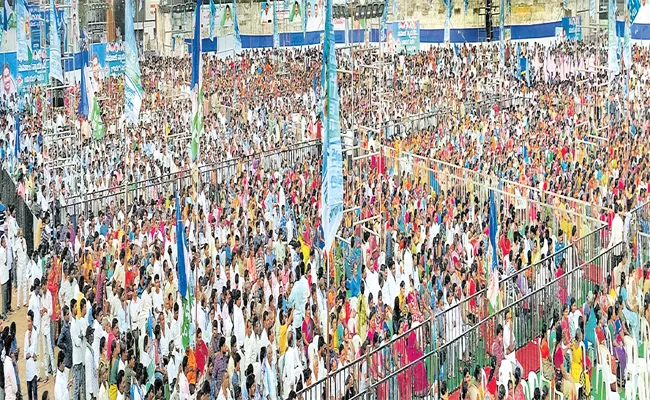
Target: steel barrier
(426, 373)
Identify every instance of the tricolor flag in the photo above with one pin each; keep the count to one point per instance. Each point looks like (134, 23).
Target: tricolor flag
(132, 85)
(493, 272)
(182, 267)
(196, 84)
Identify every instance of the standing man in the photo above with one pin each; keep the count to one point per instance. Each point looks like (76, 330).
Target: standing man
(22, 261)
(4, 279)
(46, 330)
(11, 384)
(31, 337)
(65, 342)
(77, 331)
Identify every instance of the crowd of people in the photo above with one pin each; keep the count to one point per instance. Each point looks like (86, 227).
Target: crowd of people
(267, 312)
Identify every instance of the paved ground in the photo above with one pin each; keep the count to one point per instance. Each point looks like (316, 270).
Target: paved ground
(20, 317)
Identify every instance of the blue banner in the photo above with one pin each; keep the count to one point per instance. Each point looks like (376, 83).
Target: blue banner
(572, 27)
(56, 71)
(404, 35)
(276, 35)
(132, 85)
(9, 72)
(612, 40)
(592, 8)
(236, 28)
(332, 188)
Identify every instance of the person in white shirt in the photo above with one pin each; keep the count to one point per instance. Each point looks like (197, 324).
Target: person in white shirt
(31, 375)
(224, 392)
(22, 260)
(4, 279)
(183, 383)
(92, 383)
(77, 333)
(238, 320)
(45, 333)
(61, 382)
(121, 386)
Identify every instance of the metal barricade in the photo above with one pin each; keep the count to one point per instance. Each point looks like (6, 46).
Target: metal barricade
(428, 374)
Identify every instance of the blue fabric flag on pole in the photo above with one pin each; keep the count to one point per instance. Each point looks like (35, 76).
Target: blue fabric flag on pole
(196, 85)
(84, 108)
(382, 23)
(213, 15)
(180, 250)
(235, 24)
(612, 41)
(395, 8)
(17, 147)
(276, 35)
(24, 47)
(332, 187)
(304, 20)
(56, 70)
(502, 19)
(466, 6)
(447, 31)
(5, 18)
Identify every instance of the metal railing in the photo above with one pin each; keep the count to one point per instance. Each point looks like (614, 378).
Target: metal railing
(426, 372)
(213, 175)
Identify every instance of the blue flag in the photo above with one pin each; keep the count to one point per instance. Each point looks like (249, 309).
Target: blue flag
(332, 187)
(304, 19)
(133, 90)
(56, 71)
(213, 16)
(84, 108)
(526, 159)
(24, 46)
(493, 272)
(5, 18)
(502, 19)
(447, 31)
(382, 22)
(17, 148)
(466, 4)
(235, 24)
(493, 230)
(180, 250)
(196, 85)
(518, 60)
(276, 35)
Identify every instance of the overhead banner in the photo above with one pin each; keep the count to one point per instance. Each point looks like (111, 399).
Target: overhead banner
(9, 72)
(107, 59)
(572, 27)
(403, 36)
(223, 20)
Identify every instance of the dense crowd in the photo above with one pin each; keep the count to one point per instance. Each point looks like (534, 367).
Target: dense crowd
(267, 314)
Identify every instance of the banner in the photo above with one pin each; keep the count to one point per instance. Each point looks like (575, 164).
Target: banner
(267, 14)
(332, 188)
(612, 40)
(132, 86)
(572, 27)
(221, 25)
(56, 71)
(592, 8)
(196, 84)
(9, 72)
(403, 36)
(315, 20)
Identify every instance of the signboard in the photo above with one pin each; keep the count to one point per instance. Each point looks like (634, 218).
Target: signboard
(107, 59)
(572, 27)
(403, 36)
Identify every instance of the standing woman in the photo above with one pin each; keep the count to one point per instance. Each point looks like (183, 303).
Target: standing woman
(563, 380)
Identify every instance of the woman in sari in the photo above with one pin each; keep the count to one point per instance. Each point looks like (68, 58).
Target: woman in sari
(618, 330)
(579, 370)
(413, 305)
(401, 359)
(417, 373)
